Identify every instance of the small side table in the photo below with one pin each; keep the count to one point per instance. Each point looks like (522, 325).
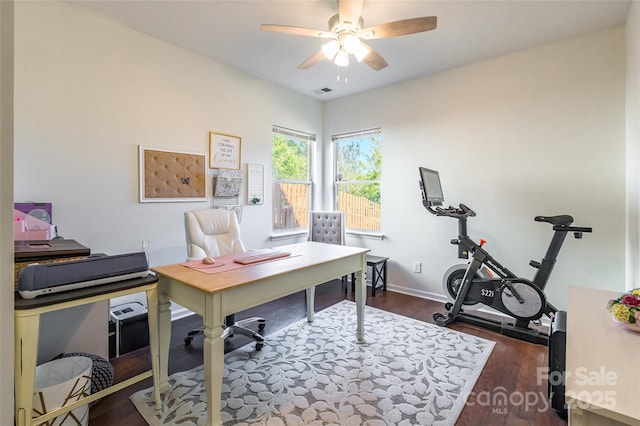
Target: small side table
(378, 274)
(27, 314)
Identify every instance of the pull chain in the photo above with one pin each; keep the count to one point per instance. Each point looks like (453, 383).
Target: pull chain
(346, 77)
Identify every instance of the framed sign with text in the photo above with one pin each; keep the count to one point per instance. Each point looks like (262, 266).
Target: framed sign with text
(224, 151)
(255, 184)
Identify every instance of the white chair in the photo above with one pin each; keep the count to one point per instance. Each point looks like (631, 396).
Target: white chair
(325, 227)
(211, 233)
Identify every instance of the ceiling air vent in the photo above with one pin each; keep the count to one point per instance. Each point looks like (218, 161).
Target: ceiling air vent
(323, 91)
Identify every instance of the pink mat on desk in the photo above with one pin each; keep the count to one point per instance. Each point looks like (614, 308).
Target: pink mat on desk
(219, 266)
(226, 263)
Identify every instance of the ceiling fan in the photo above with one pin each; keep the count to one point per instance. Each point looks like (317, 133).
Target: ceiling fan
(346, 33)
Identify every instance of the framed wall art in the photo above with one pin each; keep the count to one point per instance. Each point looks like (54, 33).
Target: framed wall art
(172, 176)
(255, 184)
(224, 151)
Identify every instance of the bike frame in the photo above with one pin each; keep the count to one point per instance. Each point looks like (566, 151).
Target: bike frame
(480, 258)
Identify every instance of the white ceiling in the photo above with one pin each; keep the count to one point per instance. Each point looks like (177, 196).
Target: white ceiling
(468, 31)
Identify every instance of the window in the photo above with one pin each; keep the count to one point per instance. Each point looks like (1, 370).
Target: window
(291, 157)
(357, 178)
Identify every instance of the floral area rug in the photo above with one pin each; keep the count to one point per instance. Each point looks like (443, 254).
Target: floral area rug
(408, 373)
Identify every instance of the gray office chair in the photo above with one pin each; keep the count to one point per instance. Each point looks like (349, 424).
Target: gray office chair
(216, 232)
(326, 227)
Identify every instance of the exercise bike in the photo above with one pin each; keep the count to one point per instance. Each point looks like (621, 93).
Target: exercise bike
(484, 281)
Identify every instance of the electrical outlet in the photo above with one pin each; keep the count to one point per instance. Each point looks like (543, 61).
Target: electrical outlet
(417, 267)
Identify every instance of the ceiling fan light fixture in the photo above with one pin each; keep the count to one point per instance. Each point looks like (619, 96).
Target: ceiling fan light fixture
(342, 59)
(346, 34)
(367, 33)
(351, 43)
(330, 49)
(361, 52)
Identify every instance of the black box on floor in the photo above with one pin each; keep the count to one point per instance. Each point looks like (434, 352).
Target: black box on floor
(112, 339)
(557, 363)
(131, 328)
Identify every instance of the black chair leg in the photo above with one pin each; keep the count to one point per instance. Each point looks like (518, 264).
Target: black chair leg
(231, 327)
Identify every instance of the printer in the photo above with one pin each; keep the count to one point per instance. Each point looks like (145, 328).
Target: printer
(38, 279)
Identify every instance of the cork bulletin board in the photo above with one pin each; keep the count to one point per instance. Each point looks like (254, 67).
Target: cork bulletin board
(172, 176)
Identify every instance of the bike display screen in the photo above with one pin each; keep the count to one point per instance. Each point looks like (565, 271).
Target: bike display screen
(431, 187)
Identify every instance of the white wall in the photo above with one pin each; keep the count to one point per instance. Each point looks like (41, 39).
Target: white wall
(538, 132)
(6, 212)
(633, 144)
(89, 91)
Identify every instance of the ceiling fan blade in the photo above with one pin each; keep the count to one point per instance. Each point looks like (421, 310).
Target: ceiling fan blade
(349, 10)
(374, 60)
(285, 29)
(314, 59)
(398, 28)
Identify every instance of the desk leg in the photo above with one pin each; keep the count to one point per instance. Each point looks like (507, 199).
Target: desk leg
(164, 340)
(25, 358)
(213, 357)
(576, 416)
(311, 305)
(154, 343)
(361, 298)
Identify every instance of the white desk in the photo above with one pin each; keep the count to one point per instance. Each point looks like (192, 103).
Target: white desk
(27, 324)
(214, 296)
(603, 359)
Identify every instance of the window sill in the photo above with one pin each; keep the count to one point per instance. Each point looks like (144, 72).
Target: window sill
(355, 234)
(365, 235)
(288, 235)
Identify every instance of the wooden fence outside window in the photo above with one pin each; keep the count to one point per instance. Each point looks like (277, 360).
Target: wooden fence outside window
(291, 208)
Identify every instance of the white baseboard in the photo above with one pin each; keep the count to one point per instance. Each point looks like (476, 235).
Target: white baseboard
(417, 293)
(179, 312)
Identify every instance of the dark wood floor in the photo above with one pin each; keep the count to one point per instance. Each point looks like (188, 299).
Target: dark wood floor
(510, 390)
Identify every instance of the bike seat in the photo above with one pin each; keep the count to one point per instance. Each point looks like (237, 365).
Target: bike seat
(561, 220)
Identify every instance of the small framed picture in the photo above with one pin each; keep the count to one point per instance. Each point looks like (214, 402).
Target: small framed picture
(224, 151)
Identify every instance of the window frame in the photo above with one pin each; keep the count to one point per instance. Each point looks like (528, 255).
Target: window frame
(345, 137)
(310, 139)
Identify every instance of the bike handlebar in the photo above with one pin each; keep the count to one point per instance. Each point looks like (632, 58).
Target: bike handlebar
(560, 223)
(460, 212)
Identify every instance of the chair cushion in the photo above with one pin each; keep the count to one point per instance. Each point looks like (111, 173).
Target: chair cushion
(212, 232)
(327, 227)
